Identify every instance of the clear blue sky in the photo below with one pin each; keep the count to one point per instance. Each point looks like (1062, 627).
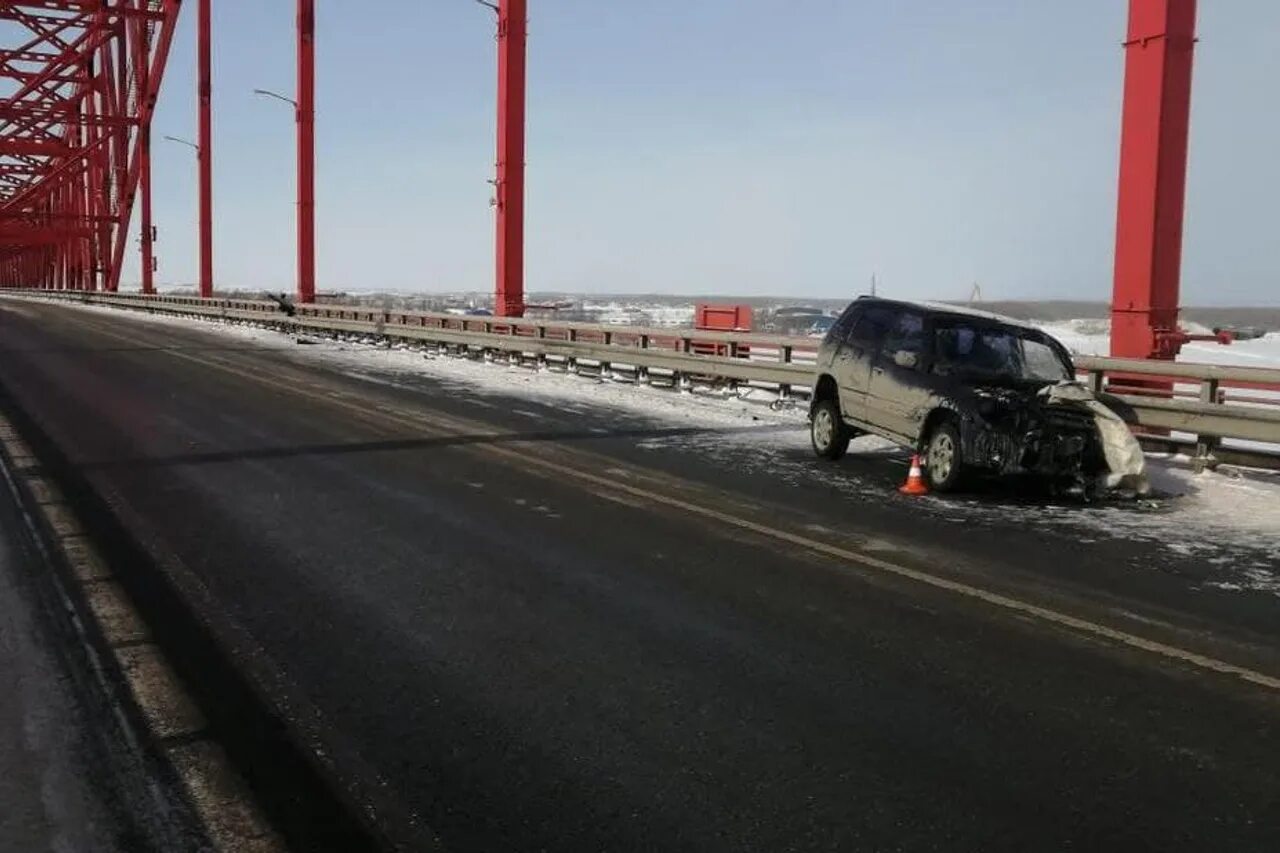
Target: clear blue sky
(787, 147)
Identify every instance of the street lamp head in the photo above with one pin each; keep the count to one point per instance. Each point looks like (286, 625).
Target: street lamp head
(186, 142)
(270, 94)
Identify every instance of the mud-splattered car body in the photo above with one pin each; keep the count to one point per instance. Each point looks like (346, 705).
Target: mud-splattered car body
(970, 391)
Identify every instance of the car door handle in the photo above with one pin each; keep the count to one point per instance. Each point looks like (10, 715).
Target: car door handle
(879, 370)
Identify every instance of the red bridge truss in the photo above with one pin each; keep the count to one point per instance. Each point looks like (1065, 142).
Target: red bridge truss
(80, 86)
(79, 89)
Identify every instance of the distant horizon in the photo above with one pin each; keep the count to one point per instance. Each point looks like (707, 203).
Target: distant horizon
(703, 297)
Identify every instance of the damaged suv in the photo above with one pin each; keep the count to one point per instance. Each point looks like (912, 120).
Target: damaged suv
(971, 392)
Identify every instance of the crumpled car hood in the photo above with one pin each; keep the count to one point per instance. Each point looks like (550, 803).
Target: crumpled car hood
(1120, 448)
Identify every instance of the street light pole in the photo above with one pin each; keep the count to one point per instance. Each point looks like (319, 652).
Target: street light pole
(199, 160)
(305, 115)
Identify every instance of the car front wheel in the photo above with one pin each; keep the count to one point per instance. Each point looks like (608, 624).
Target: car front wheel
(827, 430)
(944, 458)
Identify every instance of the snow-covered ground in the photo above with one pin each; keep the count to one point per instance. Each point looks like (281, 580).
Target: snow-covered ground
(1228, 519)
(643, 314)
(1093, 337)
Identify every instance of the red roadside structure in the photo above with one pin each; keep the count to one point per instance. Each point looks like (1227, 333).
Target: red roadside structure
(306, 110)
(204, 144)
(1153, 179)
(513, 24)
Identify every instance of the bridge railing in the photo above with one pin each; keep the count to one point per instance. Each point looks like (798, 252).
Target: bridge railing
(1183, 407)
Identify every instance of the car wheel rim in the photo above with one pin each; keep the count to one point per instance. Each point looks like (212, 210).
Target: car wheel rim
(942, 456)
(823, 428)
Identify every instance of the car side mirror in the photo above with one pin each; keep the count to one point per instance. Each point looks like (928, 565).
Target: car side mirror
(909, 360)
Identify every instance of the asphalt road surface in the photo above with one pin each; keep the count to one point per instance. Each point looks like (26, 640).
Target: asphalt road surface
(54, 792)
(519, 630)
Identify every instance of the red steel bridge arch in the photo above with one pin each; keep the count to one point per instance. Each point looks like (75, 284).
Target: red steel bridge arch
(75, 126)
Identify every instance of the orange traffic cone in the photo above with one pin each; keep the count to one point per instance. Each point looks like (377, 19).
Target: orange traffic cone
(915, 479)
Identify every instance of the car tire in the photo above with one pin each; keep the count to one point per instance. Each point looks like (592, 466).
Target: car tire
(944, 458)
(827, 430)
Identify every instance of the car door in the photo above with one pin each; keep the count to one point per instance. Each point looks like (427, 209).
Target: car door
(851, 365)
(899, 394)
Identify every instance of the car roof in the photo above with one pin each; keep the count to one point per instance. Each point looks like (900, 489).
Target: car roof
(947, 308)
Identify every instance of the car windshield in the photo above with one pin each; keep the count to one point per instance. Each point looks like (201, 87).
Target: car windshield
(997, 352)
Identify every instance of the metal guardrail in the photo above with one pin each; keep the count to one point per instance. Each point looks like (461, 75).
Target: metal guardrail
(769, 360)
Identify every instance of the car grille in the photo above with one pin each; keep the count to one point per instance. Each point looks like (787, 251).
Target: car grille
(1066, 419)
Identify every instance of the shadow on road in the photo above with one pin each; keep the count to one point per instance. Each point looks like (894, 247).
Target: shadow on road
(421, 443)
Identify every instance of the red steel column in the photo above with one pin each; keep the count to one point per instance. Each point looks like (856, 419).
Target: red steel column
(205, 144)
(513, 24)
(144, 178)
(1153, 177)
(141, 41)
(306, 151)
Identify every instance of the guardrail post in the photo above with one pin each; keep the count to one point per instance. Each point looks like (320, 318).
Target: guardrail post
(785, 354)
(1206, 444)
(1096, 382)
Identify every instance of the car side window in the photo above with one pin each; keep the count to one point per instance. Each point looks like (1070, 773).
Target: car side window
(871, 327)
(904, 343)
(840, 329)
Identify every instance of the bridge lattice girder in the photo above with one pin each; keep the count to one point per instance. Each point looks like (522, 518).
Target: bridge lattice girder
(79, 80)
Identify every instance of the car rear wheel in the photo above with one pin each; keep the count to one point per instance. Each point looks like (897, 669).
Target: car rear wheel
(944, 458)
(827, 430)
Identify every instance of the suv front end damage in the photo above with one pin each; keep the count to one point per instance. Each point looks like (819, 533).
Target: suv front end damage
(1055, 432)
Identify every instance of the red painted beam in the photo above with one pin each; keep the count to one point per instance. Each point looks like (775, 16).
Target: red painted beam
(1153, 173)
(306, 152)
(147, 227)
(142, 62)
(204, 93)
(512, 34)
(34, 147)
(42, 236)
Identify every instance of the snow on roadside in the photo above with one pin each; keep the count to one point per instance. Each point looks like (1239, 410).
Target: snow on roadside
(1093, 337)
(700, 408)
(1081, 337)
(1229, 519)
